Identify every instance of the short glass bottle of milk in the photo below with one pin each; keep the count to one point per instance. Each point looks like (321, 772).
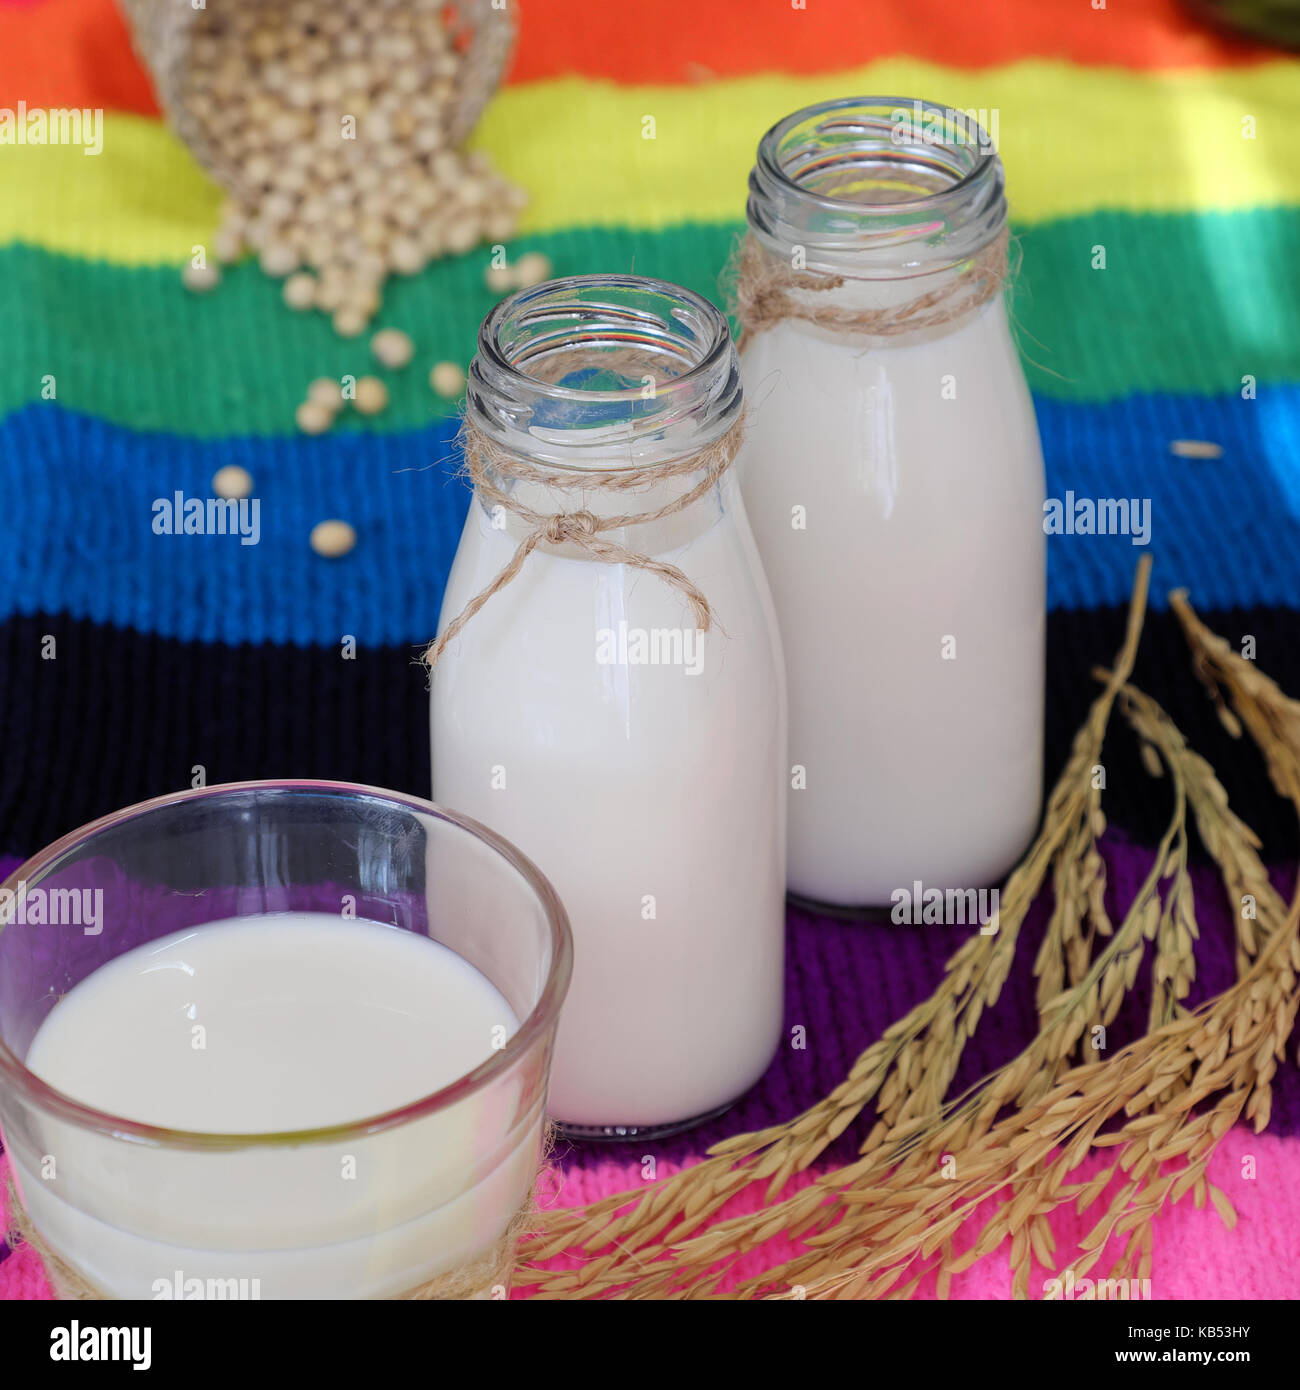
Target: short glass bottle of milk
(584, 711)
(894, 479)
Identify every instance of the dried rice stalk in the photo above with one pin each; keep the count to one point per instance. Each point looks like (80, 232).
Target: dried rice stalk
(1271, 718)
(1219, 1064)
(1229, 841)
(1181, 1087)
(906, 1070)
(876, 1227)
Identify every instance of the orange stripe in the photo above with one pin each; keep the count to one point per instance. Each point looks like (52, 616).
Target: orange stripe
(77, 52)
(693, 40)
(70, 53)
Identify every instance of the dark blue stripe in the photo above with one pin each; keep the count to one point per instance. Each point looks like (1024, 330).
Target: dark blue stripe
(76, 495)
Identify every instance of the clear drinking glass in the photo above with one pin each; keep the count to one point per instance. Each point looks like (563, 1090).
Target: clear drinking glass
(584, 713)
(371, 1208)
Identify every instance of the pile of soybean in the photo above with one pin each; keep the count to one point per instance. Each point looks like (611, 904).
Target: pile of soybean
(333, 129)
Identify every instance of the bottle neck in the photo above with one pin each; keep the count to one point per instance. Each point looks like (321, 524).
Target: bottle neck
(604, 374)
(612, 396)
(877, 189)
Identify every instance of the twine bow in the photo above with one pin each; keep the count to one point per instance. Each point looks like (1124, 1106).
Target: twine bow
(486, 462)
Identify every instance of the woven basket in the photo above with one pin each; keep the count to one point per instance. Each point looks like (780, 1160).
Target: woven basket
(163, 31)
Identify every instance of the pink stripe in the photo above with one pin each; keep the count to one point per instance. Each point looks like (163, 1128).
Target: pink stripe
(1195, 1255)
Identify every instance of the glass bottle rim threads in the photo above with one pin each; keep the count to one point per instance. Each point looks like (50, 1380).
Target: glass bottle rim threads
(878, 187)
(602, 372)
(564, 398)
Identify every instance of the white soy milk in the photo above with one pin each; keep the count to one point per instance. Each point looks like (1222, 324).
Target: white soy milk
(895, 489)
(641, 765)
(264, 1024)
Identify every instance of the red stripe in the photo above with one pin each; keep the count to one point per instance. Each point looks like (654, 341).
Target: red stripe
(78, 53)
(70, 53)
(694, 40)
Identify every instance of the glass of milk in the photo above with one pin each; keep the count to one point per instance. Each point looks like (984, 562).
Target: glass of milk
(639, 761)
(895, 485)
(278, 1040)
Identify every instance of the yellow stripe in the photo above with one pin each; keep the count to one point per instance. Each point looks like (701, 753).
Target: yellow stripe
(1073, 138)
(141, 201)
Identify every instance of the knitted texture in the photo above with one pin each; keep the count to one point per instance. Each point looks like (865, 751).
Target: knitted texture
(81, 498)
(1191, 1251)
(118, 716)
(846, 982)
(78, 52)
(692, 164)
(148, 355)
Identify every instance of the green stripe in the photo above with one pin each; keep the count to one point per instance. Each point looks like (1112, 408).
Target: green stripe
(1185, 303)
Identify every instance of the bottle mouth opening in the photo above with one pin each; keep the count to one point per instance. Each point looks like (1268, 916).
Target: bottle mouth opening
(606, 363)
(877, 152)
(871, 174)
(594, 337)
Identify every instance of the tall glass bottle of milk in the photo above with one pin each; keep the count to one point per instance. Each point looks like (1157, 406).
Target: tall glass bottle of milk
(609, 691)
(894, 479)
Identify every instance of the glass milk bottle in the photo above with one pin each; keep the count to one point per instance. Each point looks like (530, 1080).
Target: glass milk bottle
(894, 479)
(580, 707)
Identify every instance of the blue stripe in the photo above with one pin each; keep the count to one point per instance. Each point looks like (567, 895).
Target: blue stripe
(1228, 529)
(77, 495)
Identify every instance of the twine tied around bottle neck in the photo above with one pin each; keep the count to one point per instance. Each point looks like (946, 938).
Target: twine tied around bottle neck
(475, 1278)
(769, 290)
(488, 465)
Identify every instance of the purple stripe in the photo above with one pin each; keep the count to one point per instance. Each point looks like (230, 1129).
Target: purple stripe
(847, 981)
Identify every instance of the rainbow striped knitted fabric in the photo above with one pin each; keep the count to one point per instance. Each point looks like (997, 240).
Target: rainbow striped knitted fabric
(1132, 129)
